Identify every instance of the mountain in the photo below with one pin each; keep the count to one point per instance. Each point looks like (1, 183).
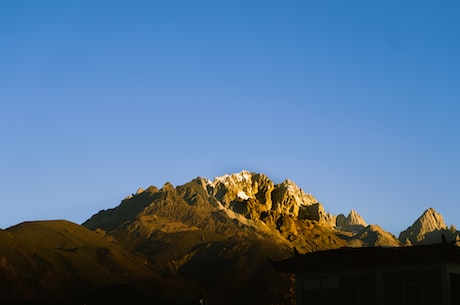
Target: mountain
(211, 239)
(219, 231)
(224, 230)
(427, 229)
(245, 204)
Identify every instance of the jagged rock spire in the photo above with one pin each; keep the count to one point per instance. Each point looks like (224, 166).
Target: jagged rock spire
(353, 222)
(427, 228)
(252, 194)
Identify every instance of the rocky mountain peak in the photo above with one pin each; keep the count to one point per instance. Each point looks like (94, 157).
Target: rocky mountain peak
(240, 188)
(352, 223)
(426, 228)
(296, 193)
(432, 220)
(289, 199)
(254, 194)
(355, 219)
(241, 177)
(168, 187)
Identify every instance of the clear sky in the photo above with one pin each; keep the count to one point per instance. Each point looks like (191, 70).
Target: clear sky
(358, 102)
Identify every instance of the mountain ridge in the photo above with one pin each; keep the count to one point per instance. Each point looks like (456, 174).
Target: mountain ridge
(278, 219)
(177, 244)
(252, 199)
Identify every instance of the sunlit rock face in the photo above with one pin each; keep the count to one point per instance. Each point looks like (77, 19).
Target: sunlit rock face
(352, 223)
(355, 219)
(240, 205)
(254, 195)
(289, 199)
(244, 193)
(428, 228)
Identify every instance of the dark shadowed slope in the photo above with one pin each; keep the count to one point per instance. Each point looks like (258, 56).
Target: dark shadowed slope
(60, 260)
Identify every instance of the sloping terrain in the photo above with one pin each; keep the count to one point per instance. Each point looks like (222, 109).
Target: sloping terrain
(63, 261)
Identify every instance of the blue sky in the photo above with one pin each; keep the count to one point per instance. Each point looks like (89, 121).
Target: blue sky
(355, 101)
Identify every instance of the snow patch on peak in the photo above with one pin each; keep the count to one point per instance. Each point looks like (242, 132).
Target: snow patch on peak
(208, 182)
(221, 179)
(233, 178)
(140, 191)
(243, 176)
(242, 195)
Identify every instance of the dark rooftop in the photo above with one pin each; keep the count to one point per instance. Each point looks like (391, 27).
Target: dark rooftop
(370, 257)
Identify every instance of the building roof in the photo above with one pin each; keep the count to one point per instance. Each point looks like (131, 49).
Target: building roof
(369, 257)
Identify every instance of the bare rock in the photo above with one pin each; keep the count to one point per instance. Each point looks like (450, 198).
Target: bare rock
(428, 228)
(352, 223)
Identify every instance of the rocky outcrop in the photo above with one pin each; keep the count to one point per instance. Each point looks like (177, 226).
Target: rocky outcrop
(289, 199)
(254, 195)
(352, 223)
(374, 236)
(244, 193)
(428, 228)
